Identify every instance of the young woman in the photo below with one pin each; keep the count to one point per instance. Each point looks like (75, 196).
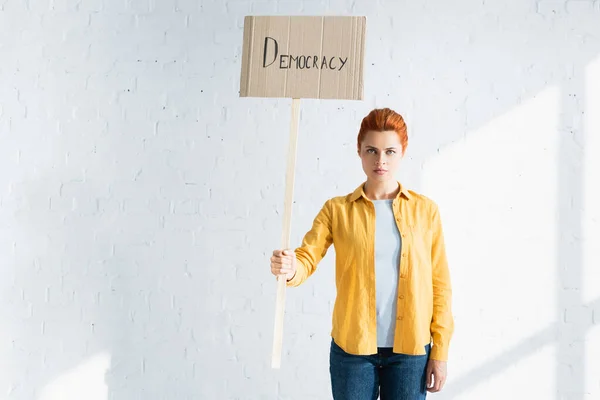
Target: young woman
(392, 319)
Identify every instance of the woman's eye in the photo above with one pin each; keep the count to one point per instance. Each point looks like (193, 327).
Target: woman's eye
(370, 151)
(391, 152)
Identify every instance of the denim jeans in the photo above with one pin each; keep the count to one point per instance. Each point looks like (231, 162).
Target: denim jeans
(394, 376)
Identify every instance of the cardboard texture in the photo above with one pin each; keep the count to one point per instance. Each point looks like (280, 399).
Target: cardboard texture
(303, 57)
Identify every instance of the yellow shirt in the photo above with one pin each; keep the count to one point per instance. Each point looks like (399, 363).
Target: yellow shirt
(424, 310)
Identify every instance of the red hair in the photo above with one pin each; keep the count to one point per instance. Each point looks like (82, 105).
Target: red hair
(383, 119)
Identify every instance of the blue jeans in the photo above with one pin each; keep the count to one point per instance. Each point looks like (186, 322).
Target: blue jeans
(397, 376)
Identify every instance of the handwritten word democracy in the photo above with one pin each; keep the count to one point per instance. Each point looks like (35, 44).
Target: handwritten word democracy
(287, 61)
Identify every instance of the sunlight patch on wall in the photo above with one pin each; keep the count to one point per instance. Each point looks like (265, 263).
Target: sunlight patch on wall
(496, 189)
(592, 361)
(86, 381)
(591, 179)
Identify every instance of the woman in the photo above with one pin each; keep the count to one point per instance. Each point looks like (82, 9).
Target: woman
(392, 319)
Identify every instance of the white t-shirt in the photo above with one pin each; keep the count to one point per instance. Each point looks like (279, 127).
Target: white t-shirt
(388, 244)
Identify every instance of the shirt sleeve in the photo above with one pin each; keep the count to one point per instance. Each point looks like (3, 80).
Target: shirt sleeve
(314, 246)
(442, 323)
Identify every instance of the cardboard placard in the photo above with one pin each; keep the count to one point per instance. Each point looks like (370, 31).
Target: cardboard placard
(303, 57)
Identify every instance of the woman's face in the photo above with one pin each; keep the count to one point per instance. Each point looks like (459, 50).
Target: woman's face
(380, 153)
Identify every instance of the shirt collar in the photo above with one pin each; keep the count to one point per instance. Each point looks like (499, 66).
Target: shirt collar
(359, 192)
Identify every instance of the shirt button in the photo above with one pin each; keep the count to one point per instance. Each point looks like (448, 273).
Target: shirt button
(404, 255)
(400, 318)
(401, 296)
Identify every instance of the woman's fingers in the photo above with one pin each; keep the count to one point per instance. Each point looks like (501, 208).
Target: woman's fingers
(287, 260)
(429, 375)
(282, 262)
(436, 376)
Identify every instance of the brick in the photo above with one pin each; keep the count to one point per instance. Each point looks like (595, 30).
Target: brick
(551, 7)
(580, 7)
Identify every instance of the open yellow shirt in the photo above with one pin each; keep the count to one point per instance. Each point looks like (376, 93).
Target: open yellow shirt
(424, 292)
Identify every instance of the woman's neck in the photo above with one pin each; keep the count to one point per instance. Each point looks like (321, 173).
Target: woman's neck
(375, 190)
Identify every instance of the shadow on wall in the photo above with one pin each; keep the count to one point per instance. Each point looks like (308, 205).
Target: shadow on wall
(99, 224)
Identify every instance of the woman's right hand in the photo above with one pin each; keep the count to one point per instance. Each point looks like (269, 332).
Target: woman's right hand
(283, 262)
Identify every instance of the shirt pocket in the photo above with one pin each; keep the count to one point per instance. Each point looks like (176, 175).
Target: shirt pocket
(421, 242)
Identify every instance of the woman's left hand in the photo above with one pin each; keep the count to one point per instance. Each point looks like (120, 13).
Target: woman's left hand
(436, 375)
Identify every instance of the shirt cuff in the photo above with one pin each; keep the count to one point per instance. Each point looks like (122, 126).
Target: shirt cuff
(439, 352)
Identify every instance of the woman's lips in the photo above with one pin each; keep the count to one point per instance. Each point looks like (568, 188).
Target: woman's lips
(380, 171)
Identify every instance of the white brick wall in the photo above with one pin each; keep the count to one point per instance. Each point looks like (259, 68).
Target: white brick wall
(140, 198)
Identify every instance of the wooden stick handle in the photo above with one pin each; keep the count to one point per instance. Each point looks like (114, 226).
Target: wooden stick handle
(287, 230)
